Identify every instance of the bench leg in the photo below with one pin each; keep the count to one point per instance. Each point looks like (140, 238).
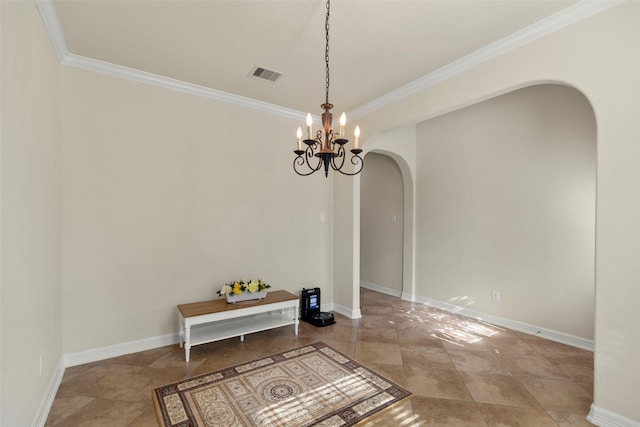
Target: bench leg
(187, 343)
(181, 330)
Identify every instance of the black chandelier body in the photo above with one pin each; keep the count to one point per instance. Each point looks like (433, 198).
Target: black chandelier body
(326, 148)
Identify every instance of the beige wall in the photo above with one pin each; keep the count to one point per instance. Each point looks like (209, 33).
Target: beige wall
(30, 222)
(346, 277)
(506, 202)
(167, 196)
(596, 56)
(381, 238)
(106, 277)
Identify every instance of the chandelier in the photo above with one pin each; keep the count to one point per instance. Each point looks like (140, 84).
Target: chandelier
(326, 145)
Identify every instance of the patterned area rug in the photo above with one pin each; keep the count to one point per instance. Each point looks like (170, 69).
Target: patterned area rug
(313, 385)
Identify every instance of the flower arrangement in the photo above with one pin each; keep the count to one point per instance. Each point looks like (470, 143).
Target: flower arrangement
(240, 286)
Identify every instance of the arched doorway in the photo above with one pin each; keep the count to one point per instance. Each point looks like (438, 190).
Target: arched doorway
(550, 210)
(381, 225)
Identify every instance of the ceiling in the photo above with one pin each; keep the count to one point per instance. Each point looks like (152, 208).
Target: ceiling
(376, 46)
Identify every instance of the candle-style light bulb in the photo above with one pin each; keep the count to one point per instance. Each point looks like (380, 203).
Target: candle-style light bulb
(299, 137)
(309, 123)
(343, 121)
(357, 134)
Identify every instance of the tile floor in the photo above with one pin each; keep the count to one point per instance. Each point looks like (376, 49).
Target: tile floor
(462, 372)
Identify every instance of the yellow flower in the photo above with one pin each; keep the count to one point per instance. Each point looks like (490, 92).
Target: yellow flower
(237, 289)
(254, 287)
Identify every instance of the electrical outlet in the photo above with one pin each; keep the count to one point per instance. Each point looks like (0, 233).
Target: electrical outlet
(495, 296)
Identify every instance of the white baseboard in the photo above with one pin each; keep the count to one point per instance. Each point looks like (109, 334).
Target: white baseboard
(499, 321)
(381, 289)
(507, 323)
(328, 306)
(408, 297)
(101, 353)
(603, 418)
(341, 309)
(50, 394)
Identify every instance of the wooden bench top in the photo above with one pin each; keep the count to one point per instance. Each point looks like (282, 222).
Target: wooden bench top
(220, 305)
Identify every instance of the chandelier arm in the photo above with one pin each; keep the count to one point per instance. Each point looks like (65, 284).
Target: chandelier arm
(355, 160)
(310, 154)
(303, 158)
(299, 161)
(340, 154)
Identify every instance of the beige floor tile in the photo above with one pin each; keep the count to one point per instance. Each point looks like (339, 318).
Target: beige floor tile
(395, 373)
(531, 366)
(462, 372)
(143, 358)
(498, 390)
(377, 322)
(509, 345)
(105, 413)
(588, 387)
(453, 339)
(551, 348)
(147, 418)
(577, 367)
(63, 407)
(176, 359)
(421, 337)
(377, 309)
(559, 395)
(344, 346)
(446, 412)
(564, 419)
(438, 383)
(378, 335)
(378, 352)
(427, 357)
(477, 361)
(498, 415)
(398, 415)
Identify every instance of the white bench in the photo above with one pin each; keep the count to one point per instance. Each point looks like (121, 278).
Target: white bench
(208, 321)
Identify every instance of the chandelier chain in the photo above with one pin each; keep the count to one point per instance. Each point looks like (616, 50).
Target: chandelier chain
(326, 51)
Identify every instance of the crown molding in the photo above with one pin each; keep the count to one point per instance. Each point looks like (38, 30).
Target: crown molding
(49, 17)
(581, 10)
(114, 70)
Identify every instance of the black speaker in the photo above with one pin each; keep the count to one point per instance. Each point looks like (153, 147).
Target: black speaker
(310, 303)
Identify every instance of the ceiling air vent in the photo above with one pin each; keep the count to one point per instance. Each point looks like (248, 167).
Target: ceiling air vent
(265, 74)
